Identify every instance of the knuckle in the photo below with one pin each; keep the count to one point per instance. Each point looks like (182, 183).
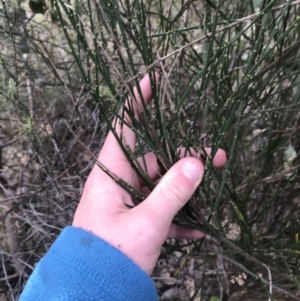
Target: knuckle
(172, 192)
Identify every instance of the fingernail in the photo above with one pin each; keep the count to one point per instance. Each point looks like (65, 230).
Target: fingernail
(191, 171)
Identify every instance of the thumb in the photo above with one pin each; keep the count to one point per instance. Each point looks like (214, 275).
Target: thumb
(174, 190)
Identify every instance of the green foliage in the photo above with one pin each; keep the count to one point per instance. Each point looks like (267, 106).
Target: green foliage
(229, 78)
(225, 71)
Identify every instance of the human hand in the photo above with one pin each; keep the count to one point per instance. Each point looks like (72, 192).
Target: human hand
(141, 231)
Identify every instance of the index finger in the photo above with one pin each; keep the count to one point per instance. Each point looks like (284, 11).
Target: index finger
(111, 151)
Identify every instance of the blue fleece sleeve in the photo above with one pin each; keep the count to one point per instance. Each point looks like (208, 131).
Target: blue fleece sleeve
(81, 266)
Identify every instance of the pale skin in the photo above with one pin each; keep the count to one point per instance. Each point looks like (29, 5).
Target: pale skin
(141, 231)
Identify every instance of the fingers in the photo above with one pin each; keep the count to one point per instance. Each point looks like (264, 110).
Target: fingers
(172, 192)
(111, 150)
(220, 157)
(219, 160)
(153, 169)
(180, 232)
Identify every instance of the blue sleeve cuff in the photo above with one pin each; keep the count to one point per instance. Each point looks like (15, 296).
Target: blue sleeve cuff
(81, 266)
